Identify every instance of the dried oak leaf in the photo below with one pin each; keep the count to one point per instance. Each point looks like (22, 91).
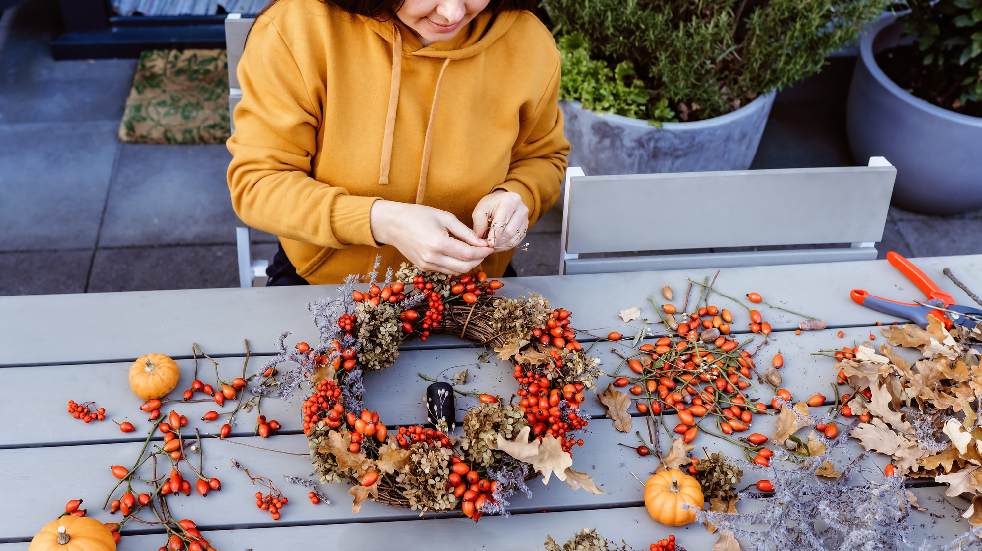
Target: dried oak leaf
(392, 458)
(960, 437)
(510, 347)
(960, 482)
(974, 511)
(945, 460)
(617, 404)
(879, 405)
(877, 436)
(533, 357)
(577, 480)
(787, 424)
(678, 455)
(866, 354)
(912, 499)
(726, 542)
(907, 336)
(630, 314)
(546, 455)
(815, 446)
(337, 445)
(360, 494)
(827, 470)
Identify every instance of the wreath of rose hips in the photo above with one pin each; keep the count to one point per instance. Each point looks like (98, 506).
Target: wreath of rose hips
(439, 304)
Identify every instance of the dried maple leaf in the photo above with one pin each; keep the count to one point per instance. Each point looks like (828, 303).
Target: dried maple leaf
(617, 404)
(827, 470)
(577, 480)
(630, 314)
(392, 458)
(546, 455)
(510, 347)
(678, 455)
(360, 494)
(726, 542)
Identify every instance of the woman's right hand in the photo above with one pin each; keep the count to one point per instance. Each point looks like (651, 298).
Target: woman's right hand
(430, 238)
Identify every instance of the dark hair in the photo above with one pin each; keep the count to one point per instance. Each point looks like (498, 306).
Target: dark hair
(384, 8)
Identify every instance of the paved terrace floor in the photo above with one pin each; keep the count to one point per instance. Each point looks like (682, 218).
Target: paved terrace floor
(81, 212)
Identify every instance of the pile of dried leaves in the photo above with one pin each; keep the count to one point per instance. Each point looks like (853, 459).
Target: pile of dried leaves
(586, 540)
(925, 413)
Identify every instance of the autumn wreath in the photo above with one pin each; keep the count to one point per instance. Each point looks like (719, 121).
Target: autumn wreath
(503, 443)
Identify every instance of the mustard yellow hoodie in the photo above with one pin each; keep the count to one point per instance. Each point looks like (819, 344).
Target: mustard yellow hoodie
(339, 110)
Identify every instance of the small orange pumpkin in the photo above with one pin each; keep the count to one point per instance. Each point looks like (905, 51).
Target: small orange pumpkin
(666, 491)
(70, 533)
(153, 376)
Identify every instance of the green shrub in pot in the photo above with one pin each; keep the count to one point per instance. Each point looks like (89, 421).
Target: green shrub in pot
(943, 64)
(688, 60)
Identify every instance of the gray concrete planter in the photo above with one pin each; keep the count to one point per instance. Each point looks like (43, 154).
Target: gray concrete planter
(937, 152)
(611, 144)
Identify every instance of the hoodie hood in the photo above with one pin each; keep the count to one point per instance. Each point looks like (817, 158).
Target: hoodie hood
(483, 31)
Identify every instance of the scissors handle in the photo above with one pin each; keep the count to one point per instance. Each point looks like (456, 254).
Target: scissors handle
(919, 278)
(913, 312)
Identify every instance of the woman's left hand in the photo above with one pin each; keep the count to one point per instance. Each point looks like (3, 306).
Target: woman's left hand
(502, 218)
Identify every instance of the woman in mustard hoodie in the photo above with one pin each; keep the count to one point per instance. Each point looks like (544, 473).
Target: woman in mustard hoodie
(426, 130)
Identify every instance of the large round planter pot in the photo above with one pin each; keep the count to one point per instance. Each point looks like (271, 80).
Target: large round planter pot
(937, 152)
(603, 143)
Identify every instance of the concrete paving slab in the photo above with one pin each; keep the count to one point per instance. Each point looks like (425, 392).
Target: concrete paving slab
(44, 272)
(153, 268)
(35, 88)
(53, 180)
(893, 240)
(170, 194)
(807, 126)
(541, 257)
(938, 236)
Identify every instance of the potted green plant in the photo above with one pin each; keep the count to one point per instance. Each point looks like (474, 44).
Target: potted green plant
(916, 98)
(686, 85)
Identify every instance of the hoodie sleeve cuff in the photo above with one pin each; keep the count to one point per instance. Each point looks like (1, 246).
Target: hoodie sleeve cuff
(526, 195)
(351, 220)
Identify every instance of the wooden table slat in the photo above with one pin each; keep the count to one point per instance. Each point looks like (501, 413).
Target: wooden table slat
(397, 393)
(111, 326)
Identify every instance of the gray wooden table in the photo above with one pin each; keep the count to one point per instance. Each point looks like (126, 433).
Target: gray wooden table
(56, 348)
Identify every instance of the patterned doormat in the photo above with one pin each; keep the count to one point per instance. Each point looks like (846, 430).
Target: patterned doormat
(178, 97)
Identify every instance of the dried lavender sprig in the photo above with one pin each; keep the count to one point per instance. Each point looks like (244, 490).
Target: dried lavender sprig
(309, 484)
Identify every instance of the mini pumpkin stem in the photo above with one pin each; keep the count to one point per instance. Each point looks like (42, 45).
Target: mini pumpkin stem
(63, 538)
(675, 485)
(149, 366)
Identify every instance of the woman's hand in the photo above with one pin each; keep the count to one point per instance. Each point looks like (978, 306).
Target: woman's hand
(502, 218)
(430, 238)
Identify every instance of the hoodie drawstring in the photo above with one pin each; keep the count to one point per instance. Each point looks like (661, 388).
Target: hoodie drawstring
(424, 165)
(390, 113)
(385, 164)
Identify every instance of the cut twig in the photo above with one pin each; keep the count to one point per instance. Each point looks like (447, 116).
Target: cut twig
(962, 286)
